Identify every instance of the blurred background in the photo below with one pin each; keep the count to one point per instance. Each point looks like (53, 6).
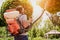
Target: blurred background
(45, 14)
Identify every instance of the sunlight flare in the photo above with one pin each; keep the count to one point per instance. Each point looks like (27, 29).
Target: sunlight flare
(37, 10)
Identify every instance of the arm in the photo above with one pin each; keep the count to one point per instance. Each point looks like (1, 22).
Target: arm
(25, 22)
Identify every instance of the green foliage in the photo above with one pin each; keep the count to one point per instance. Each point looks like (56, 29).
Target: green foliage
(2, 23)
(35, 33)
(3, 34)
(3, 8)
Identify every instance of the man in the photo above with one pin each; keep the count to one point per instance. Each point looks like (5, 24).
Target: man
(23, 19)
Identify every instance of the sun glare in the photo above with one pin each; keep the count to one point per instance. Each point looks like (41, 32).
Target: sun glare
(37, 10)
(33, 2)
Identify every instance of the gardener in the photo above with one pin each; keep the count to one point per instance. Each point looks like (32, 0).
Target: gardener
(24, 22)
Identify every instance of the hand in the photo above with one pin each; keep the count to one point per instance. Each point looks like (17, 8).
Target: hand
(30, 19)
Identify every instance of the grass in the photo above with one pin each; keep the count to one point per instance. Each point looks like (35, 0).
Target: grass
(4, 36)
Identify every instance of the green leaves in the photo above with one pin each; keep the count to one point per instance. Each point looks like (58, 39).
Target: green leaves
(3, 8)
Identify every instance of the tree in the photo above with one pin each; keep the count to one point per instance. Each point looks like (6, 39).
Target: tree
(9, 4)
(3, 8)
(27, 6)
(53, 6)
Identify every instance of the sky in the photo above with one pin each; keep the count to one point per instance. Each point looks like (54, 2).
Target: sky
(1, 1)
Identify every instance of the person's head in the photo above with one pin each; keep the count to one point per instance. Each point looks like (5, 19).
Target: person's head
(20, 9)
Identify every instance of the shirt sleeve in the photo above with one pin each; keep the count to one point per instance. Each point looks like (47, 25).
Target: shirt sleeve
(24, 21)
(24, 18)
